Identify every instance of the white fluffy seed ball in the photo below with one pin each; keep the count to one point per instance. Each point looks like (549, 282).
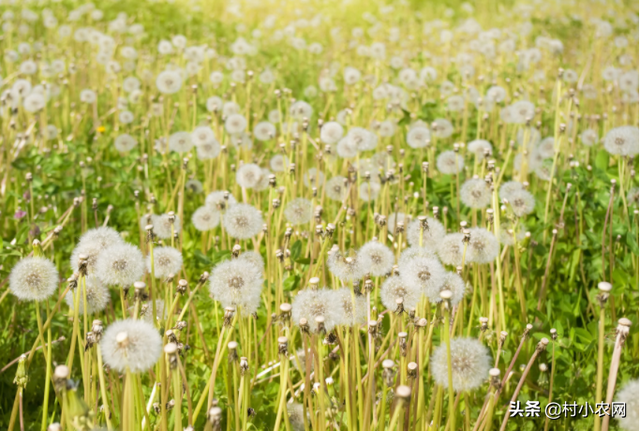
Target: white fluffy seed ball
(470, 363)
(475, 193)
(298, 211)
(375, 258)
(248, 175)
(331, 132)
(394, 288)
(166, 260)
(432, 236)
(454, 284)
(242, 221)
(629, 395)
(97, 296)
(33, 279)
(483, 246)
(120, 265)
(205, 218)
(133, 344)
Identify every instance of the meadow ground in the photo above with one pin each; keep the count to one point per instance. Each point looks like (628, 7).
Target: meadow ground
(319, 215)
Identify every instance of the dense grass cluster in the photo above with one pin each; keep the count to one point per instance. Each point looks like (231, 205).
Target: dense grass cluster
(317, 215)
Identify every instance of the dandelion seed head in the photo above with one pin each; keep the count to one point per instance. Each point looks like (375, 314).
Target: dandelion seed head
(622, 141)
(88, 96)
(451, 249)
(126, 117)
(375, 258)
(431, 237)
(369, 190)
(169, 82)
(162, 225)
(331, 132)
(214, 104)
(90, 250)
(208, 150)
(507, 189)
(361, 139)
(610, 73)
(394, 219)
(237, 283)
(383, 161)
(506, 235)
(180, 142)
(33, 279)
(546, 148)
(248, 175)
(205, 218)
(278, 163)
(416, 251)
(345, 266)
(296, 416)
(303, 357)
(263, 183)
(254, 257)
(351, 75)
(314, 178)
(166, 260)
(352, 308)
(120, 265)
(347, 148)
(264, 131)
(335, 188)
(97, 296)
(146, 311)
(300, 110)
(454, 284)
(496, 93)
(299, 211)
(520, 112)
(628, 81)
(470, 363)
(230, 108)
(589, 137)
(235, 124)
(387, 128)
(441, 128)
(483, 246)
(522, 202)
(629, 395)
(309, 304)
(394, 288)
(425, 272)
(133, 344)
(125, 143)
(34, 102)
(202, 135)
(475, 193)
(544, 170)
(217, 201)
(632, 196)
(478, 148)
(450, 162)
(242, 221)
(418, 137)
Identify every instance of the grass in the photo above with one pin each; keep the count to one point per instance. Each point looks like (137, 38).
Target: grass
(551, 328)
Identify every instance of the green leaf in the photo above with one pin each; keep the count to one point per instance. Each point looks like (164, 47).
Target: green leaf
(202, 258)
(602, 160)
(219, 256)
(291, 282)
(406, 119)
(296, 251)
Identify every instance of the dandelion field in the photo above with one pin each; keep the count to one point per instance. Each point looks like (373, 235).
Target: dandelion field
(339, 215)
